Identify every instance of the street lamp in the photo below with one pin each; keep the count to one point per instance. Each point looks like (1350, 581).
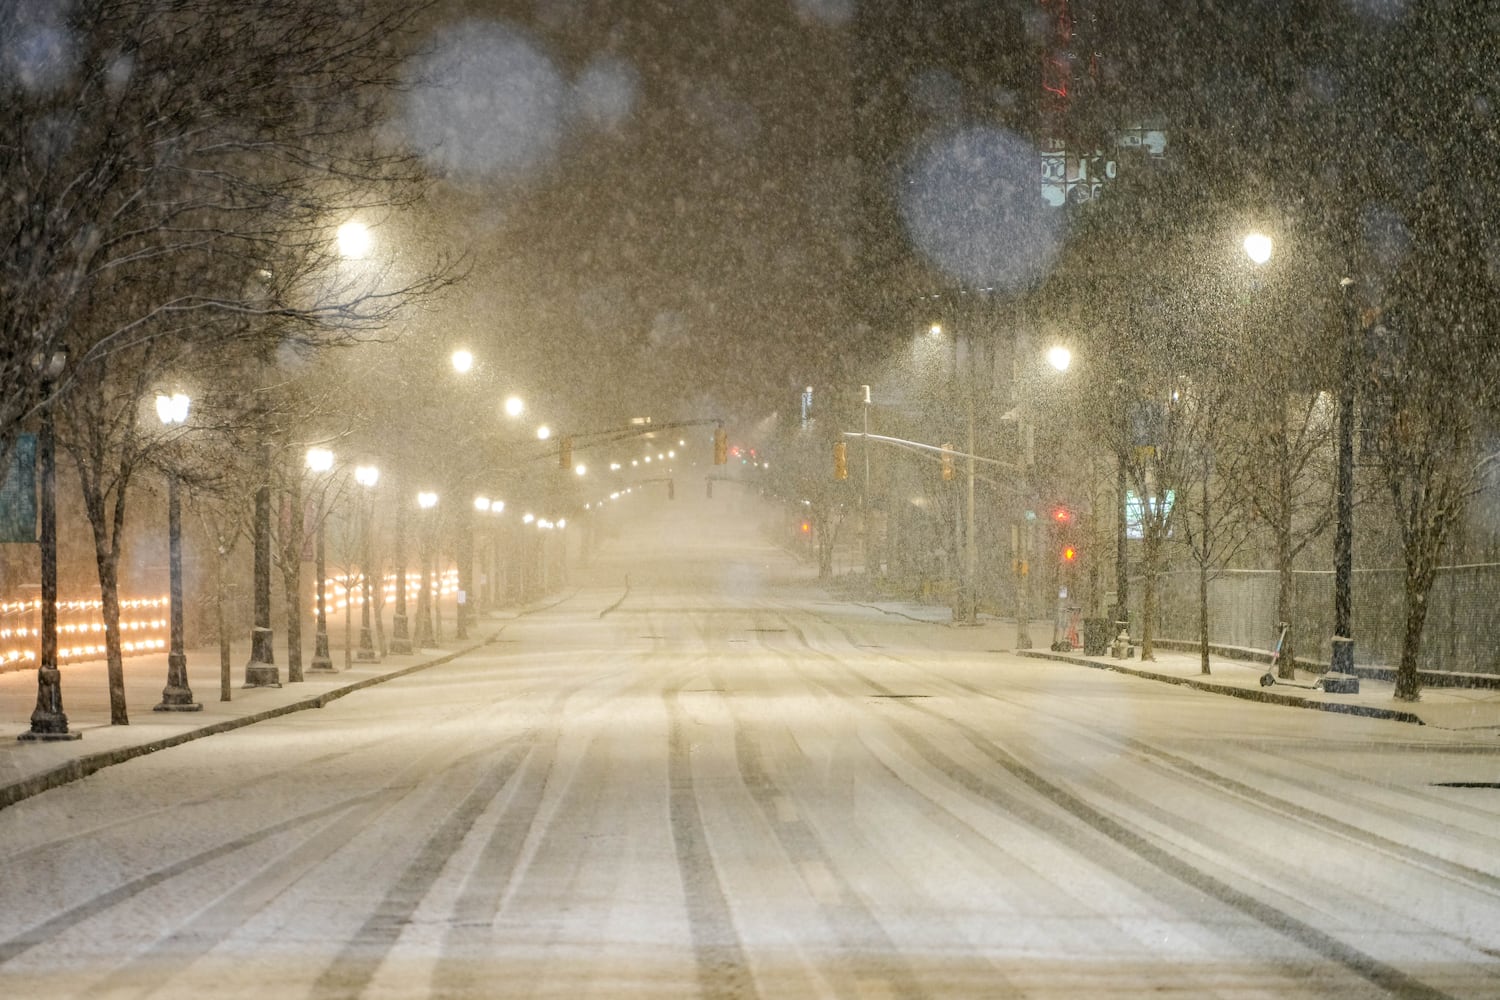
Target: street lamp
(400, 634)
(463, 361)
(543, 432)
(319, 462)
(354, 240)
(1258, 247)
(423, 638)
(48, 722)
(177, 696)
(1342, 658)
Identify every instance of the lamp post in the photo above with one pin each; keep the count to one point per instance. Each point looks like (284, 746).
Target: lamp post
(367, 476)
(423, 638)
(1342, 659)
(48, 721)
(320, 461)
(864, 495)
(177, 696)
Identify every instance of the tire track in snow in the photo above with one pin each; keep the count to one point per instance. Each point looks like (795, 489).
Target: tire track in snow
(866, 946)
(355, 966)
(723, 971)
(1119, 834)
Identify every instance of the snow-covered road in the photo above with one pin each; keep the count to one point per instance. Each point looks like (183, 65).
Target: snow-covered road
(719, 783)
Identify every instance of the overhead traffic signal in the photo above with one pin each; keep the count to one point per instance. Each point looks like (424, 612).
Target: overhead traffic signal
(840, 460)
(721, 446)
(947, 461)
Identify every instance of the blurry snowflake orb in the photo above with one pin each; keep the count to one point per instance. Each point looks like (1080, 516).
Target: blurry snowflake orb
(485, 102)
(972, 204)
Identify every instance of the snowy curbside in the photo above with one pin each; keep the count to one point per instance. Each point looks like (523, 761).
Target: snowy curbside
(1250, 694)
(82, 767)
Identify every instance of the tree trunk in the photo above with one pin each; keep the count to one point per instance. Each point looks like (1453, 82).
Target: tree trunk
(1148, 590)
(107, 562)
(1286, 667)
(1419, 577)
(1203, 616)
(291, 577)
(221, 597)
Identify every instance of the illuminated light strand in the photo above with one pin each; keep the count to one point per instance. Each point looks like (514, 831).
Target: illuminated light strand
(18, 642)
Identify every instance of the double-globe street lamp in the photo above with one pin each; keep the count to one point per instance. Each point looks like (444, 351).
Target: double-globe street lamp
(177, 696)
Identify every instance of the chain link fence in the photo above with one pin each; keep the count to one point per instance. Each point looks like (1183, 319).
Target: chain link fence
(1462, 633)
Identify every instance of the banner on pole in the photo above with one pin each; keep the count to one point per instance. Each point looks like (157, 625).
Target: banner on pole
(18, 492)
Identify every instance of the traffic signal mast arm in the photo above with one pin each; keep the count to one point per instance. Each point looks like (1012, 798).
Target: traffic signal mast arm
(939, 449)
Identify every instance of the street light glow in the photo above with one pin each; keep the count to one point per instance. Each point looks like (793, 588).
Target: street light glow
(366, 475)
(580, 469)
(543, 432)
(482, 503)
(462, 361)
(319, 459)
(172, 409)
(514, 406)
(354, 240)
(935, 330)
(497, 507)
(527, 517)
(1258, 247)
(427, 500)
(1060, 357)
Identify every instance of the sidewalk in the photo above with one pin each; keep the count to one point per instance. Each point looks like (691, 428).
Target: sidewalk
(28, 768)
(1474, 710)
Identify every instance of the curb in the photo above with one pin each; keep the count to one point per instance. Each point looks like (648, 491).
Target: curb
(1250, 694)
(82, 767)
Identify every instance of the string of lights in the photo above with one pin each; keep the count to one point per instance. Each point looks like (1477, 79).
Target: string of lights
(80, 629)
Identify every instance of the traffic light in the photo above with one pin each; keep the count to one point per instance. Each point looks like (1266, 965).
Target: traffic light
(947, 461)
(1069, 554)
(721, 446)
(565, 452)
(1062, 516)
(840, 460)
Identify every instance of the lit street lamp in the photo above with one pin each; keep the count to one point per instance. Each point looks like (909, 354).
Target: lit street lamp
(319, 462)
(48, 722)
(367, 476)
(177, 696)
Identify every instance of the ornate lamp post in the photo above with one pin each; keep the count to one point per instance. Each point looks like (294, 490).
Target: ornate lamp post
(367, 476)
(48, 722)
(177, 696)
(320, 462)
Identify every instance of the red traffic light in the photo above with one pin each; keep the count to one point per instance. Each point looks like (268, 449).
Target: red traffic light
(1062, 515)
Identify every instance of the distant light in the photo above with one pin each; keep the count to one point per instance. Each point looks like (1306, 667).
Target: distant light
(671, 454)
(580, 469)
(497, 507)
(354, 240)
(935, 330)
(482, 503)
(426, 500)
(319, 459)
(366, 475)
(172, 409)
(614, 466)
(528, 517)
(543, 432)
(615, 495)
(681, 443)
(462, 361)
(514, 406)
(562, 522)
(1060, 357)
(634, 463)
(648, 460)
(660, 457)
(1258, 247)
